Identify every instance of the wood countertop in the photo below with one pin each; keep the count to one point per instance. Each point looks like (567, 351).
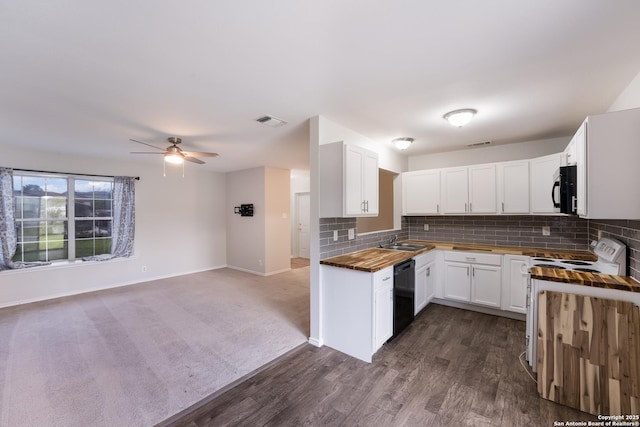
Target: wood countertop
(376, 259)
(608, 281)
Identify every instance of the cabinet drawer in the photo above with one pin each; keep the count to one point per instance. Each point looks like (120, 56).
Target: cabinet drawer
(424, 259)
(473, 257)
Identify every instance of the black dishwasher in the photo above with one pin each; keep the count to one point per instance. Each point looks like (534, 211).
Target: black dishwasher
(404, 287)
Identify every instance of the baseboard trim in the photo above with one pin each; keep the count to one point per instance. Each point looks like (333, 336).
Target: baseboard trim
(315, 342)
(259, 273)
(172, 419)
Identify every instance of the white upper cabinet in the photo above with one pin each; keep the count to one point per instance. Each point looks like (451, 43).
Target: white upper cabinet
(455, 191)
(421, 192)
(469, 190)
(348, 181)
(579, 143)
(513, 187)
(482, 189)
(607, 159)
(542, 171)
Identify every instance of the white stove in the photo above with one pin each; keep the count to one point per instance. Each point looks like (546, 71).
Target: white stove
(612, 259)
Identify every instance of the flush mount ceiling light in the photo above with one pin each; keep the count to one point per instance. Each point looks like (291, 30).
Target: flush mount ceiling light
(402, 143)
(460, 118)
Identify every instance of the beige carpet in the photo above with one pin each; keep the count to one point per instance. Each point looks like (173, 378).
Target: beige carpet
(136, 355)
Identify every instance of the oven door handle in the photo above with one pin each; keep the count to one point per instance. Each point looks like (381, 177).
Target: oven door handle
(553, 194)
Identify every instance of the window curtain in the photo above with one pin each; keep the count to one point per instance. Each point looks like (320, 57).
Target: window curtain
(124, 215)
(8, 238)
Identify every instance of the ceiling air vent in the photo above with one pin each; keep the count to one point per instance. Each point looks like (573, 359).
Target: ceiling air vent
(271, 121)
(479, 144)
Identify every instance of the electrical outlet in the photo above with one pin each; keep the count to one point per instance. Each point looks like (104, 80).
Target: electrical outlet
(352, 233)
(599, 234)
(335, 235)
(426, 227)
(546, 231)
(144, 268)
(260, 262)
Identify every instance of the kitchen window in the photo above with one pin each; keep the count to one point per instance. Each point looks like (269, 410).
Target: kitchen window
(62, 217)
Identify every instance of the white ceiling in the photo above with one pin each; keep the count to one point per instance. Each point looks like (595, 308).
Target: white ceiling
(85, 76)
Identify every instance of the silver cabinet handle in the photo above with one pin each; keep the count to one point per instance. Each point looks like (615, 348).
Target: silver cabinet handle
(502, 207)
(470, 258)
(386, 278)
(470, 208)
(473, 272)
(467, 271)
(465, 207)
(428, 271)
(438, 207)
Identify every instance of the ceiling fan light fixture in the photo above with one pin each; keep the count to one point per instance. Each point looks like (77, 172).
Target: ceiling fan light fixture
(461, 117)
(402, 143)
(174, 158)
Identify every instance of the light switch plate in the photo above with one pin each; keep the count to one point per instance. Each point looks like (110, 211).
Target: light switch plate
(426, 227)
(335, 235)
(546, 231)
(352, 233)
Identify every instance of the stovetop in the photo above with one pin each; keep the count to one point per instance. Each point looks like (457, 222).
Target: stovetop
(611, 255)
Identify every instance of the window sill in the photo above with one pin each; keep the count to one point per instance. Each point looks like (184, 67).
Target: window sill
(55, 265)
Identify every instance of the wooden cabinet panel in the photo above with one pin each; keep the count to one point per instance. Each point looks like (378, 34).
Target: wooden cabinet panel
(589, 353)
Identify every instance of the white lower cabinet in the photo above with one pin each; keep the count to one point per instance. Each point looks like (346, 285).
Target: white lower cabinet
(426, 279)
(357, 310)
(382, 311)
(514, 290)
(474, 278)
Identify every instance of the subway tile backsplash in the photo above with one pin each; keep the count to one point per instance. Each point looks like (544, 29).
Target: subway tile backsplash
(625, 230)
(329, 248)
(509, 230)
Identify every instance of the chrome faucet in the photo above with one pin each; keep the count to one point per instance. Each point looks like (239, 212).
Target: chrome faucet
(393, 240)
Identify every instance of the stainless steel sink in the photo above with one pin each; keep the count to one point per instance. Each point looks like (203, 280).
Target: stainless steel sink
(410, 247)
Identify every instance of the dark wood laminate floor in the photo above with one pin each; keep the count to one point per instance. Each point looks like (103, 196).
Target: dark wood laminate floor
(452, 367)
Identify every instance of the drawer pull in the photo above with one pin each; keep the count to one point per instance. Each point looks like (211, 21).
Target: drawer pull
(386, 278)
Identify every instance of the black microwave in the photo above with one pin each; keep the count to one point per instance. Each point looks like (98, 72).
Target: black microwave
(563, 193)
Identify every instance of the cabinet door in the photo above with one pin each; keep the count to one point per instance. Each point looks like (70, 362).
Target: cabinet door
(383, 314)
(482, 189)
(421, 289)
(580, 141)
(353, 170)
(430, 281)
(421, 192)
(514, 283)
(542, 171)
(486, 285)
(457, 281)
(370, 183)
(455, 191)
(514, 187)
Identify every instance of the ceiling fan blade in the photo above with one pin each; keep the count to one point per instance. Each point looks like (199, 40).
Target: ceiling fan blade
(144, 143)
(143, 152)
(200, 154)
(193, 160)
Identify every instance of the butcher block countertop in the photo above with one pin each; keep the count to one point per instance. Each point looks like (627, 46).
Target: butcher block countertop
(376, 259)
(621, 283)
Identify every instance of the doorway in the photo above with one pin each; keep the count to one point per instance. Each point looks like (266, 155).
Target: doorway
(302, 218)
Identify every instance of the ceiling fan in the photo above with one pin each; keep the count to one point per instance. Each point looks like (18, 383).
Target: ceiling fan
(174, 154)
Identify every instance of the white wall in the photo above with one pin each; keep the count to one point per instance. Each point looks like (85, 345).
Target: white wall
(260, 244)
(629, 97)
(246, 235)
(490, 154)
(277, 220)
(180, 227)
